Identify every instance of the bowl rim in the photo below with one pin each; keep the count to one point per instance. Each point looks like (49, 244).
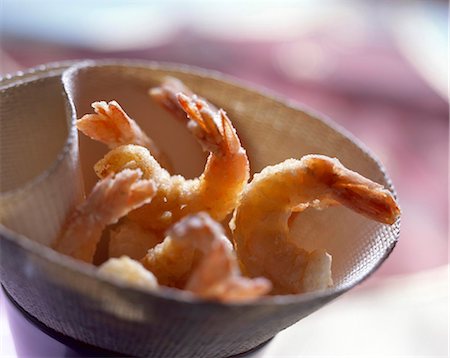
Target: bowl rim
(88, 270)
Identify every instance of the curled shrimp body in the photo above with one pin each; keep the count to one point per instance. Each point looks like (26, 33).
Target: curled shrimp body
(260, 222)
(113, 127)
(216, 191)
(197, 256)
(111, 198)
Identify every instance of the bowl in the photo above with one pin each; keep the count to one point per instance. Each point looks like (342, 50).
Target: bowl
(47, 168)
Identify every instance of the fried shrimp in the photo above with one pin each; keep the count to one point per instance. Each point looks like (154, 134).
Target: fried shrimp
(260, 222)
(128, 271)
(111, 198)
(113, 127)
(216, 191)
(197, 256)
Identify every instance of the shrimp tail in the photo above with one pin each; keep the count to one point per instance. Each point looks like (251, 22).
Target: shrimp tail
(110, 125)
(233, 145)
(166, 95)
(204, 124)
(354, 190)
(378, 205)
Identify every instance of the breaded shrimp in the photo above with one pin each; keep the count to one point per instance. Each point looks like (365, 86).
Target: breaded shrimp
(111, 198)
(173, 260)
(130, 239)
(128, 271)
(113, 127)
(260, 222)
(216, 191)
(166, 96)
(198, 257)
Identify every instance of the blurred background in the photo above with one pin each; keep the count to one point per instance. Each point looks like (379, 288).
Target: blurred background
(378, 68)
